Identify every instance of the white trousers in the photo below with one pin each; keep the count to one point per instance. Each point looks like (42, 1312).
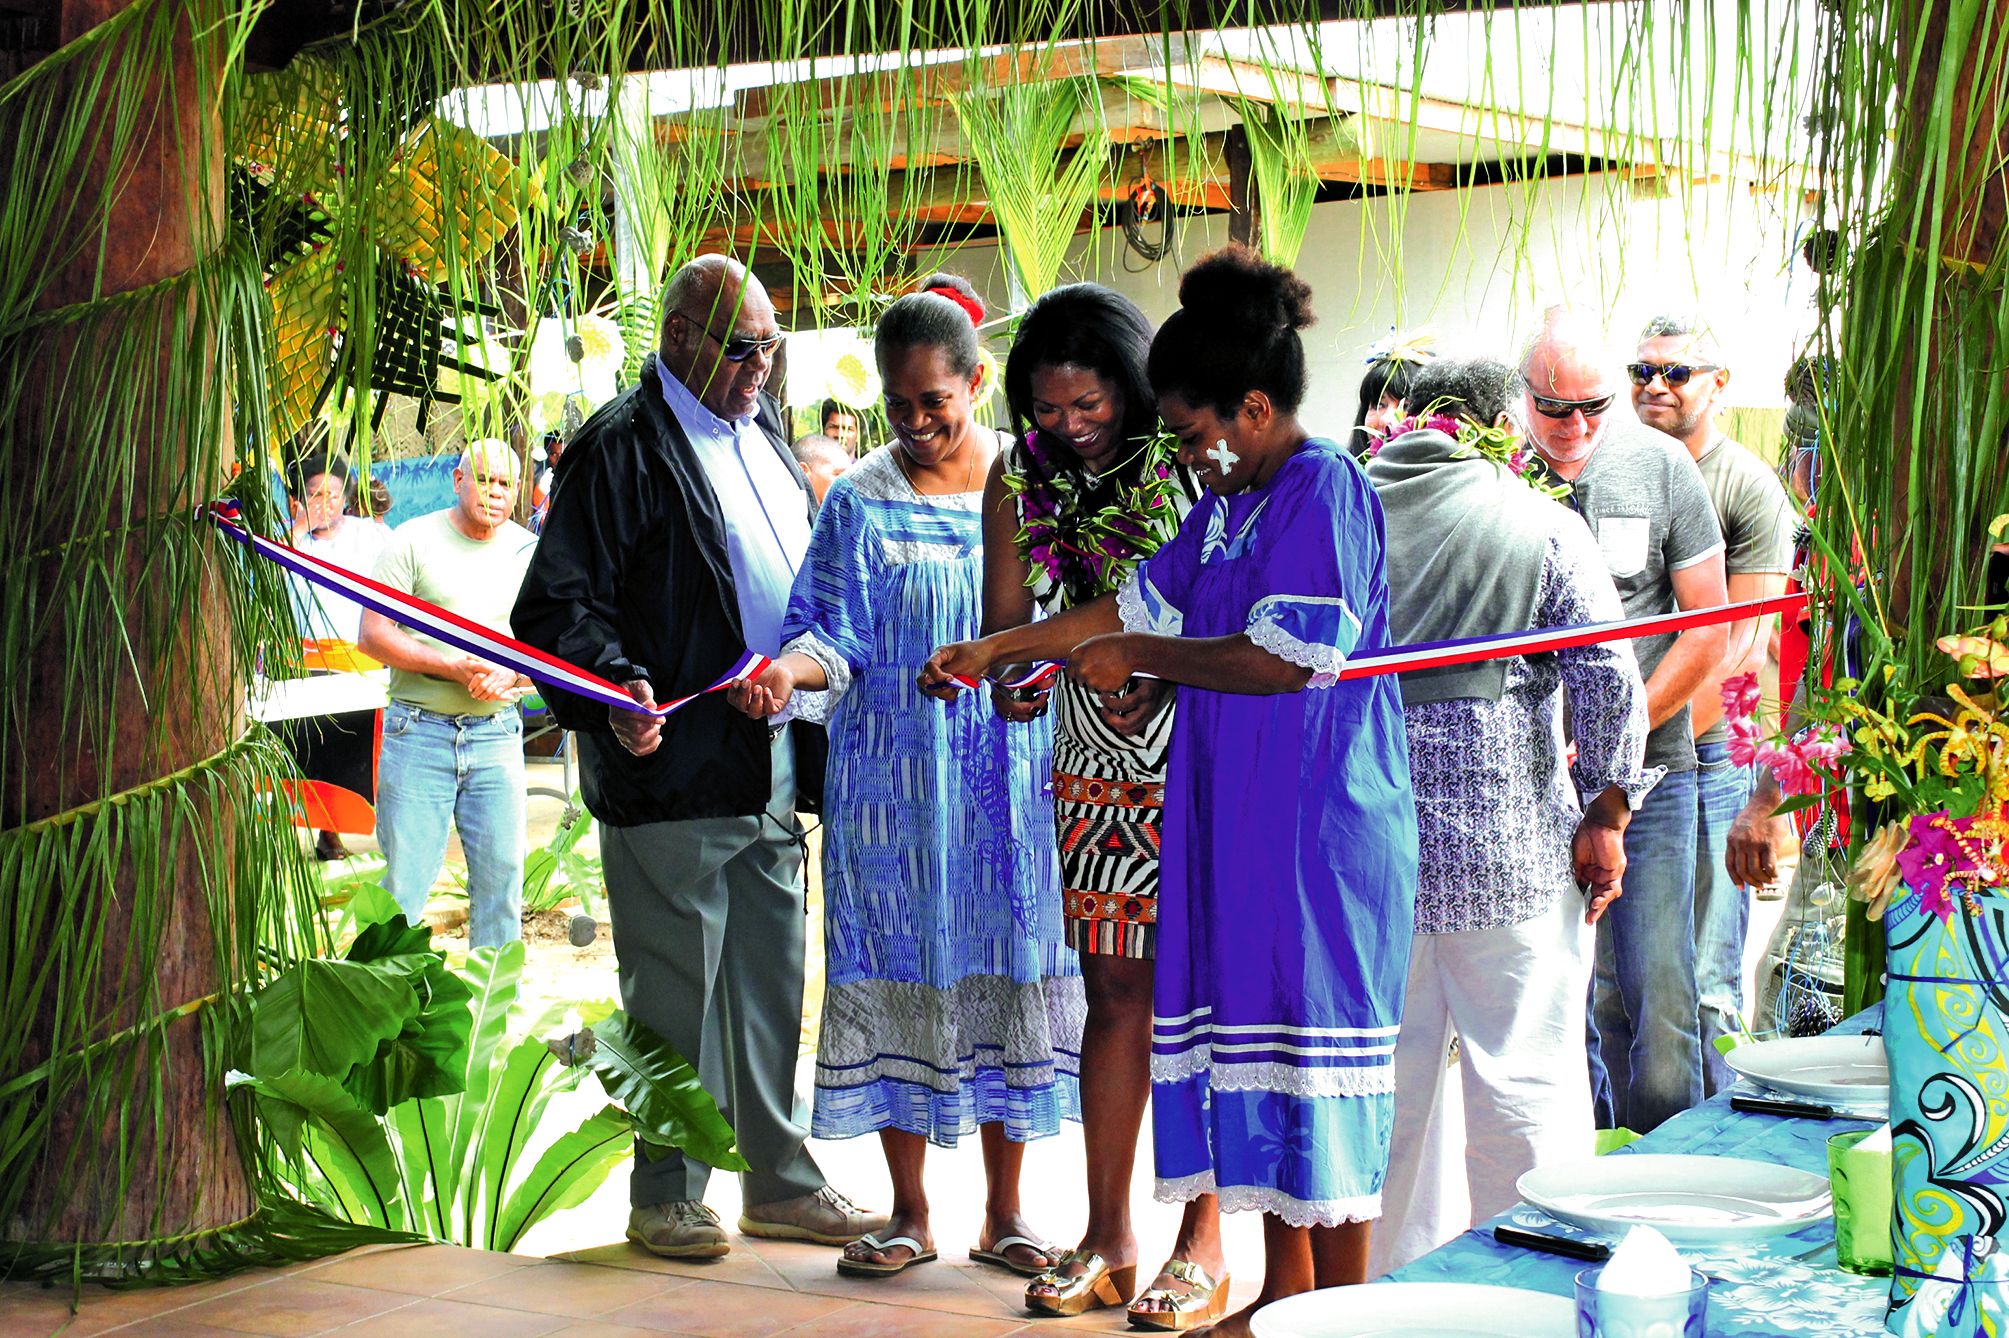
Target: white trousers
(1514, 996)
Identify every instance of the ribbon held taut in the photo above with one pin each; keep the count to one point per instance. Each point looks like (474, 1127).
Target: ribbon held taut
(527, 660)
(459, 632)
(1500, 645)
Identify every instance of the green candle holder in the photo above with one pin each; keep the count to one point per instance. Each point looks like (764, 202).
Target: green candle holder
(1860, 1181)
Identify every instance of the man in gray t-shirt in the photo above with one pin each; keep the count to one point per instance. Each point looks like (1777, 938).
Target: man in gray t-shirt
(1645, 502)
(1677, 385)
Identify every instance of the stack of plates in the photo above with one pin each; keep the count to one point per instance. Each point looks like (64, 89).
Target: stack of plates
(1846, 1072)
(1417, 1309)
(1686, 1198)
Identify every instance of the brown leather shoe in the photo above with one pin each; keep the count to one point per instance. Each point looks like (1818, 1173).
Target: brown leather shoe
(825, 1217)
(685, 1229)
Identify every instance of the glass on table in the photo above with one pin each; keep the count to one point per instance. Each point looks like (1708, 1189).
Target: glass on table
(1608, 1314)
(1859, 1179)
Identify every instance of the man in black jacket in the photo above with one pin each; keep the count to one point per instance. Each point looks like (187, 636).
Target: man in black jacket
(675, 530)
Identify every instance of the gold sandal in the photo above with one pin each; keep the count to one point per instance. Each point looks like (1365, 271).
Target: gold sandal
(1204, 1302)
(1095, 1287)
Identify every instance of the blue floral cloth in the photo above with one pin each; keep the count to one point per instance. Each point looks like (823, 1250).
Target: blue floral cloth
(1786, 1285)
(1288, 880)
(950, 999)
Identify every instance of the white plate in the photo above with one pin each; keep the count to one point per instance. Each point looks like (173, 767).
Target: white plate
(1687, 1198)
(1414, 1309)
(1844, 1070)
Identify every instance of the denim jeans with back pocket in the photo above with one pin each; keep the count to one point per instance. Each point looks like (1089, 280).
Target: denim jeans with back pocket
(466, 771)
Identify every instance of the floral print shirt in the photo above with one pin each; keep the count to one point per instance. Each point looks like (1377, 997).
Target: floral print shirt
(1496, 803)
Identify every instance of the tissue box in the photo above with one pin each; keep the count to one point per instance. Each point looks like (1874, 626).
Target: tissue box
(1946, 1029)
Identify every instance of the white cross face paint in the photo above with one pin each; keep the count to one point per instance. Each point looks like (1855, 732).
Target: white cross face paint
(1224, 457)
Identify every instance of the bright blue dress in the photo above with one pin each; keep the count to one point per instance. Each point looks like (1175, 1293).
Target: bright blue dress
(1288, 887)
(950, 999)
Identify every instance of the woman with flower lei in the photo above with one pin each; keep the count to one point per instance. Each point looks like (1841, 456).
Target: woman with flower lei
(1092, 489)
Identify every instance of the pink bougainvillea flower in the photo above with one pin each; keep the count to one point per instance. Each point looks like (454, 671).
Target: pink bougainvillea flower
(1932, 863)
(1979, 656)
(1741, 696)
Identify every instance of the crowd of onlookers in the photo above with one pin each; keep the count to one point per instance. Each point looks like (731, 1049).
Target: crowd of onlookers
(1199, 866)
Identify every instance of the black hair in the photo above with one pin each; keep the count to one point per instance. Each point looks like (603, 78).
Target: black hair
(831, 407)
(926, 319)
(304, 468)
(1236, 330)
(1088, 326)
(1388, 376)
(1478, 390)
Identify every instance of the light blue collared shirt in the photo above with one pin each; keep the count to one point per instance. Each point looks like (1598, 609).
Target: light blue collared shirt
(766, 513)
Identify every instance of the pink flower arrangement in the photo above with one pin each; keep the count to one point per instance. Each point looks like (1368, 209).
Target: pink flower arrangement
(1802, 764)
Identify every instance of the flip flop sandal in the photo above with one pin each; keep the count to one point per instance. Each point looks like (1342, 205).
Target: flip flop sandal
(997, 1257)
(865, 1268)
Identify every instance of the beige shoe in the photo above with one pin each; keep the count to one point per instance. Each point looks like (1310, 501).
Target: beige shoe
(825, 1217)
(685, 1229)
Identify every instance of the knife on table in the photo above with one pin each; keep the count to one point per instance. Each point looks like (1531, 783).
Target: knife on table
(1792, 1110)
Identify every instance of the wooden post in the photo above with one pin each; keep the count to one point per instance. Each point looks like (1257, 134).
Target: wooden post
(187, 1174)
(1245, 224)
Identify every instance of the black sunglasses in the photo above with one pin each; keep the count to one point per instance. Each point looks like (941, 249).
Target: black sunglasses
(1552, 408)
(740, 347)
(1675, 373)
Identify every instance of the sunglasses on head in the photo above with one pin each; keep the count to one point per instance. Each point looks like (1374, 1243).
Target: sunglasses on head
(1554, 408)
(1674, 373)
(740, 347)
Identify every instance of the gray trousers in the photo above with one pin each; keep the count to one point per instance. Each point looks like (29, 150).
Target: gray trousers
(708, 928)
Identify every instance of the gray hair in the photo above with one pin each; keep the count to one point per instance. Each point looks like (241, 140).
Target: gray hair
(479, 455)
(698, 283)
(1567, 332)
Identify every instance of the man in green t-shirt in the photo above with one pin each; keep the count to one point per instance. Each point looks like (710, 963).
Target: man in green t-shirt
(453, 741)
(1678, 380)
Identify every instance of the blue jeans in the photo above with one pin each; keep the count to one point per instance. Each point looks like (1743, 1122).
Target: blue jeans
(1722, 907)
(468, 771)
(1645, 1051)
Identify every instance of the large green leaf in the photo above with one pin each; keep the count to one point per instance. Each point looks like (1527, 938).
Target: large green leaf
(671, 1108)
(327, 1017)
(522, 1088)
(422, 1132)
(428, 1055)
(492, 975)
(565, 1176)
(344, 1141)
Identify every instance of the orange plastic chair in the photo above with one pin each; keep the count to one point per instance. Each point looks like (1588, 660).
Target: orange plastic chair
(321, 807)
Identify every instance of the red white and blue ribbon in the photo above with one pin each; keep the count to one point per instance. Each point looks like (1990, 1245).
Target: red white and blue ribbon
(462, 633)
(510, 653)
(1499, 645)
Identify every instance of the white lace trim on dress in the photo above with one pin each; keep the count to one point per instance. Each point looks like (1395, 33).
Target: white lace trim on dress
(1268, 1076)
(1292, 1210)
(834, 668)
(1325, 662)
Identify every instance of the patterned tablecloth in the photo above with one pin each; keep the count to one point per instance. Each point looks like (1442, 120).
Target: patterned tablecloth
(1786, 1285)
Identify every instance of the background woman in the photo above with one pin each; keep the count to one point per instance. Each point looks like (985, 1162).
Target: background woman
(1289, 873)
(950, 1004)
(1391, 365)
(1091, 489)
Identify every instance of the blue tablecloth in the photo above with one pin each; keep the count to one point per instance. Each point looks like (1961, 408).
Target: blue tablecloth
(1786, 1285)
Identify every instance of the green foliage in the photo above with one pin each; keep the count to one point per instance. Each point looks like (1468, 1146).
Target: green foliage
(558, 869)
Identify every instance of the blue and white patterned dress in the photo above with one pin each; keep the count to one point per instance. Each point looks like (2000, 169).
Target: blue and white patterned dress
(950, 999)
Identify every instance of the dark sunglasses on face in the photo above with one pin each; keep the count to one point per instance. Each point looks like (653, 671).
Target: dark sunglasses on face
(740, 347)
(1552, 408)
(1675, 373)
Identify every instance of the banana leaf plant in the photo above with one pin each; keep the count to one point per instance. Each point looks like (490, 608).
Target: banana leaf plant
(392, 1093)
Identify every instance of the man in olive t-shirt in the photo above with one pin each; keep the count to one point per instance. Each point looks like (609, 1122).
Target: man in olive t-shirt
(453, 741)
(1677, 386)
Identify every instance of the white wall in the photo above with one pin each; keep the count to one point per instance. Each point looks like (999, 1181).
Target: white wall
(1478, 265)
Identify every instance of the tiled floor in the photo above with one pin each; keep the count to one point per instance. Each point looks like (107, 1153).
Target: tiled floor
(763, 1288)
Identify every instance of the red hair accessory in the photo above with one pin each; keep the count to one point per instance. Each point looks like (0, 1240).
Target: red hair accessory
(971, 307)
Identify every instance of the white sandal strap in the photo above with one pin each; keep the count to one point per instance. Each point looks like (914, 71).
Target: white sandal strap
(878, 1246)
(1036, 1246)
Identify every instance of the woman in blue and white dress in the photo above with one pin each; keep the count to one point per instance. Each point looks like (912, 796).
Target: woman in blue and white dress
(952, 1004)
